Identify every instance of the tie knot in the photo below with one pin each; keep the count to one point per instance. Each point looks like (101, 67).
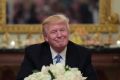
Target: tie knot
(58, 57)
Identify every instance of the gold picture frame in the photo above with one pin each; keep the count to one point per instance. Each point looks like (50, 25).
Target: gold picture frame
(104, 24)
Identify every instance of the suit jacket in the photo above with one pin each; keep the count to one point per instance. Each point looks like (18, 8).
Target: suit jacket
(39, 54)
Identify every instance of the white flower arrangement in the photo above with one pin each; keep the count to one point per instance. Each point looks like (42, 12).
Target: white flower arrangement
(56, 72)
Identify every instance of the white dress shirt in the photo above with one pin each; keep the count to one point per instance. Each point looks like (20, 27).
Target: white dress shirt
(62, 54)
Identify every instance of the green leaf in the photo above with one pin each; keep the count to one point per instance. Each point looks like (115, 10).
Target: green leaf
(67, 68)
(52, 76)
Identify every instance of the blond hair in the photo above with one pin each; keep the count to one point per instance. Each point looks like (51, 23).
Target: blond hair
(55, 19)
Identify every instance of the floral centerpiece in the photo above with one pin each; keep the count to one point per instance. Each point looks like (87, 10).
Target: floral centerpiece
(56, 72)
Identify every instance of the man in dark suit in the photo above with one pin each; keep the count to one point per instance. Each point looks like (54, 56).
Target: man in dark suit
(56, 35)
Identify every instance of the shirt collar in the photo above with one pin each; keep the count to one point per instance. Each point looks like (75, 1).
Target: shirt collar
(62, 54)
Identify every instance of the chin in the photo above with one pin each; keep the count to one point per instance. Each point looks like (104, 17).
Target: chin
(61, 45)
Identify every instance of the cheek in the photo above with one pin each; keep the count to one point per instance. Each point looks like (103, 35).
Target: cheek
(51, 37)
(66, 34)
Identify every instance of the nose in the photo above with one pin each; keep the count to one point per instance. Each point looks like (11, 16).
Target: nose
(59, 34)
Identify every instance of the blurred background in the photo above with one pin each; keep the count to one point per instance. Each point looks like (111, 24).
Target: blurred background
(34, 11)
(93, 25)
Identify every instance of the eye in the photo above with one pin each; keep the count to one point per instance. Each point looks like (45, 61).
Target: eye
(62, 30)
(53, 32)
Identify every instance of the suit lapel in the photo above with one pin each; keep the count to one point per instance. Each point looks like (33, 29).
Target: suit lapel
(47, 57)
(71, 57)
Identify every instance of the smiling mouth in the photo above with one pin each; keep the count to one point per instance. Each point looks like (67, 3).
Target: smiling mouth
(62, 40)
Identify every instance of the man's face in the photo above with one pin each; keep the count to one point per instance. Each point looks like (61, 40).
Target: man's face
(57, 35)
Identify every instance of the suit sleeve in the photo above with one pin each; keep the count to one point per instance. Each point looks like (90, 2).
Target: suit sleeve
(26, 66)
(89, 70)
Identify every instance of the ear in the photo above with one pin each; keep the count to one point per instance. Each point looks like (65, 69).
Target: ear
(45, 38)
